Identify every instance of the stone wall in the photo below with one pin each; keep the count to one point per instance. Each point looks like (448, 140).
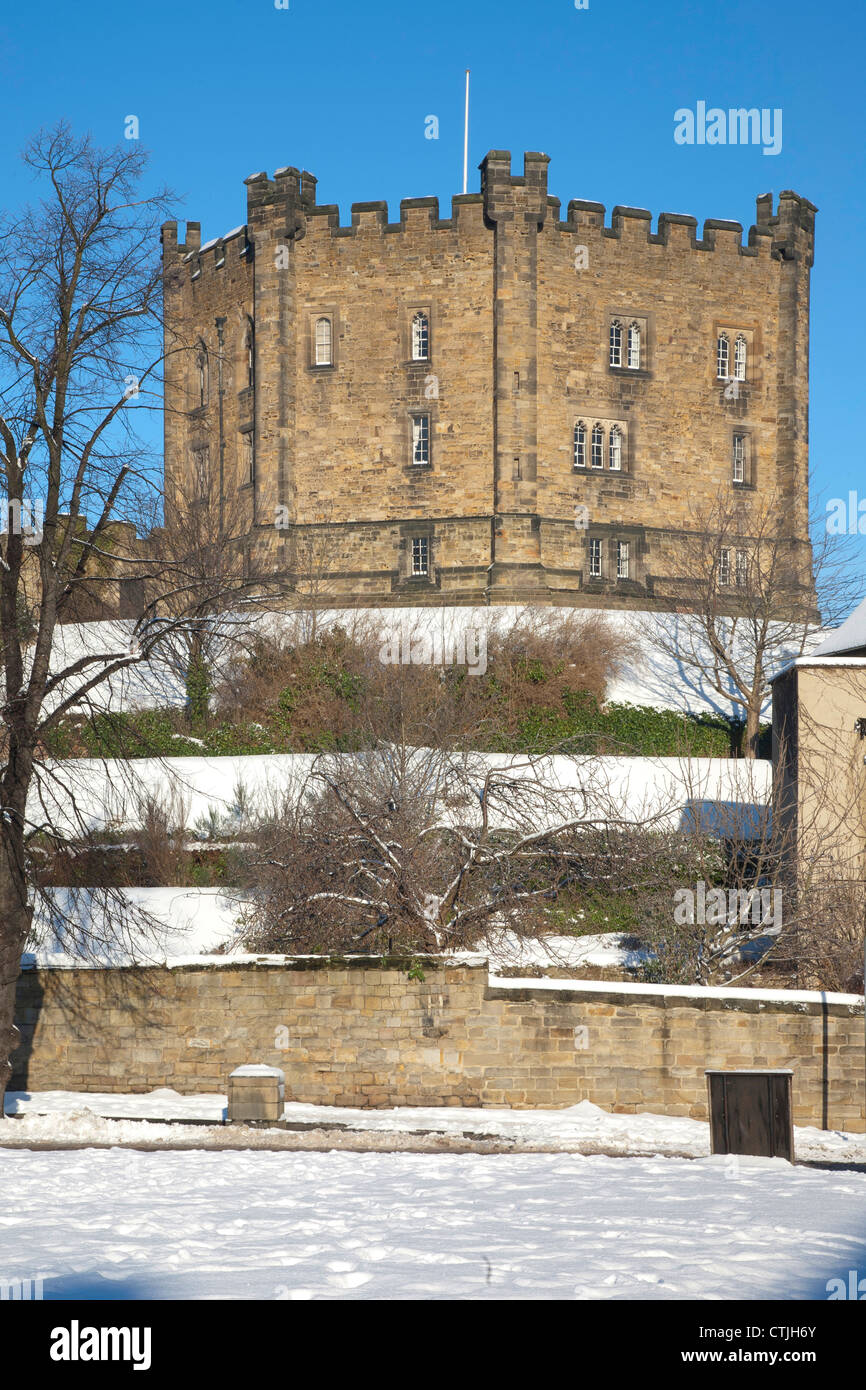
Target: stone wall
(362, 1032)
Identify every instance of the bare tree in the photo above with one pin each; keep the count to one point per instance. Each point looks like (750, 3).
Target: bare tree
(412, 849)
(415, 849)
(315, 551)
(197, 587)
(749, 601)
(80, 287)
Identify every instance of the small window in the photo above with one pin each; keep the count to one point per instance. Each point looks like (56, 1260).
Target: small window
(203, 374)
(250, 355)
(615, 343)
(724, 566)
(580, 445)
(420, 338)
(595, 559)
(201, 473)
(420, 556)
(622, 559)
(324, 343)
(740, 359)
(248, 458)
(597, 446)
(420, 439)
(723, 357)
(738, 458)
(614, 451)
(634, 346)
(742, 569)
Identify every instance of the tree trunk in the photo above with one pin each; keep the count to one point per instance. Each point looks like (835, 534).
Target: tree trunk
(753, 730)
(16, 917)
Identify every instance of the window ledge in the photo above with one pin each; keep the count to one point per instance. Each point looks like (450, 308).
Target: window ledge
(583, 472)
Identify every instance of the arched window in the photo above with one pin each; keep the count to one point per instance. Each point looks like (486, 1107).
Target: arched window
(615, 343)
(202, 374)
(597, 446)
(420, 338)
(250, 354)
(580, 445)
(723, 356)
(614, 452)
(324, 356)
(634, 346)
(740, 358)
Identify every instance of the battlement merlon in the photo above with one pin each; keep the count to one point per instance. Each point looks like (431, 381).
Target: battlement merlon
(792, 228)
(500, 189)
(174, 249)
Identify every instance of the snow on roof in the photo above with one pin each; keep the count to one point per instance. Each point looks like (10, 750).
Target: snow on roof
(849, 638)
(802, 662)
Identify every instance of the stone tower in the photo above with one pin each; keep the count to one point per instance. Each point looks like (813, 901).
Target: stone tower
(496, 406)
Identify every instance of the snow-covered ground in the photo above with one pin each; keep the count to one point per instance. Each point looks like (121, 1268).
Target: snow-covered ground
(183, 923)
(160, 925)
(601, 950)
(669, 793)
(120, 1224)
(78, 1117)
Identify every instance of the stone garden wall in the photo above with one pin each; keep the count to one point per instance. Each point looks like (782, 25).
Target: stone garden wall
(361, 1032)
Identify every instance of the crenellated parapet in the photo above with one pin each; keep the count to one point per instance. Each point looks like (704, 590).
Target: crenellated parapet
(785, 235)
(284, 207)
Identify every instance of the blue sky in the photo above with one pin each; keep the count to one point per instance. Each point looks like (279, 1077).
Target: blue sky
(225, 88)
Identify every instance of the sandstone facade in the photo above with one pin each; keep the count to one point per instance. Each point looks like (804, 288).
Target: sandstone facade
(396, 407)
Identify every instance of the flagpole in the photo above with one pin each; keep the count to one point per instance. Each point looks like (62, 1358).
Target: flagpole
(466, 138)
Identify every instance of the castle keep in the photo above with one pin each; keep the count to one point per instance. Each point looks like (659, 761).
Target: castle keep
(495, 406)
